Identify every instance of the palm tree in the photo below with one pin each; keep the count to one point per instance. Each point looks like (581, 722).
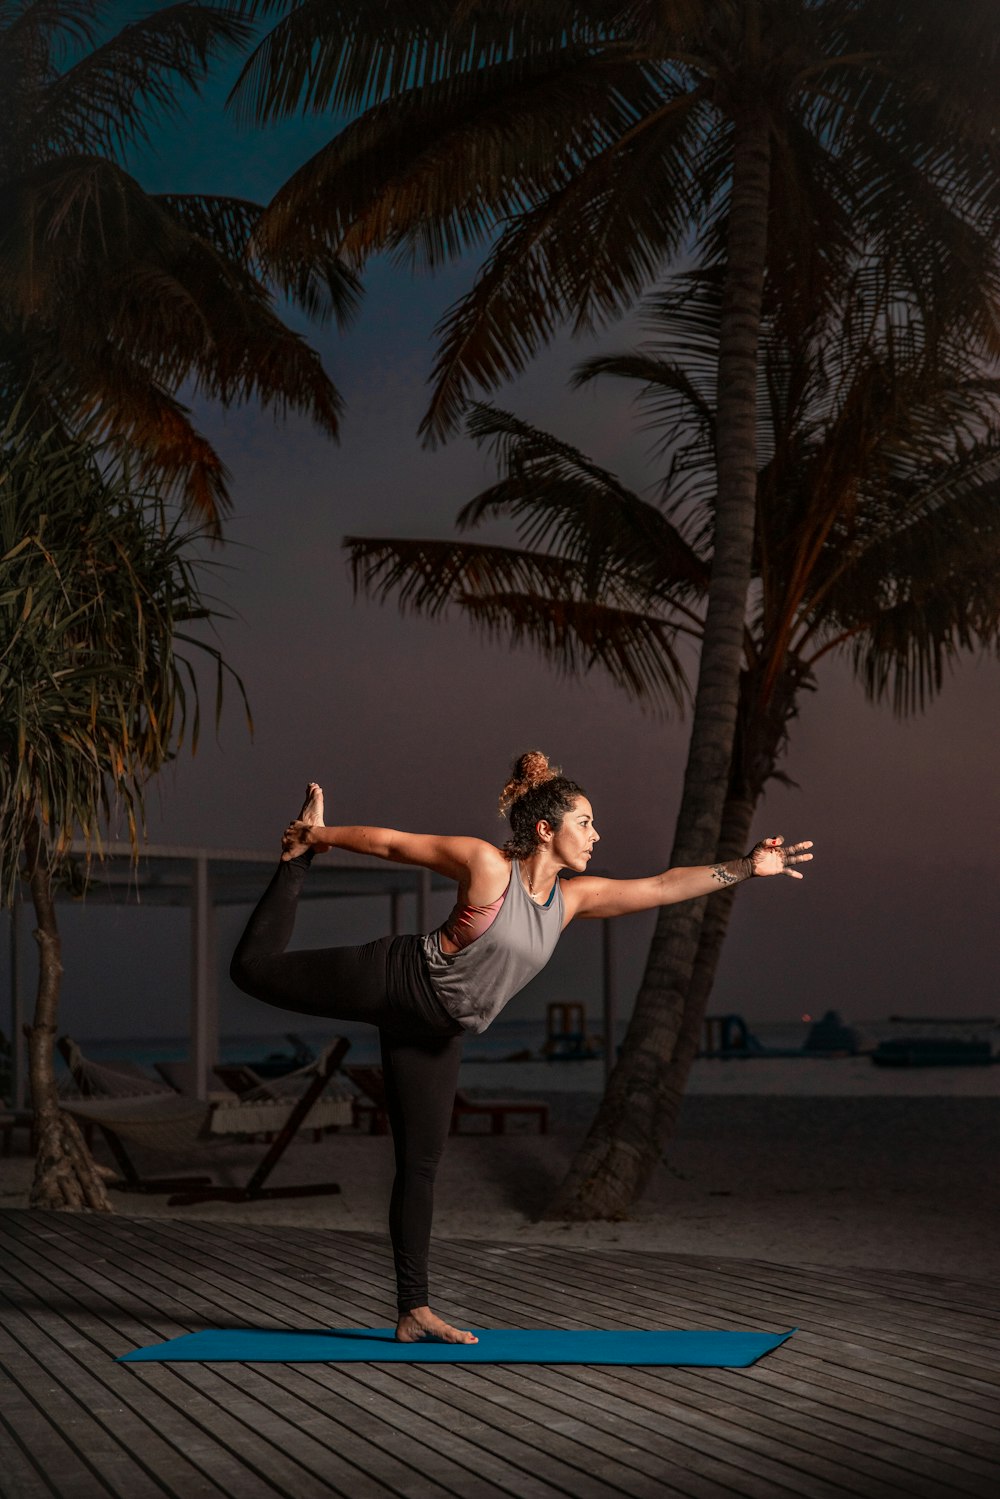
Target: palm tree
(98, 595)
(589, 145)
(112, 298)
(878, 539)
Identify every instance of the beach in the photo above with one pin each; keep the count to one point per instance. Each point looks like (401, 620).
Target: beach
(831, 1163)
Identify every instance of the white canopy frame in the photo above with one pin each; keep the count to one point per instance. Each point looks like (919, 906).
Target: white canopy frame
(203, 879)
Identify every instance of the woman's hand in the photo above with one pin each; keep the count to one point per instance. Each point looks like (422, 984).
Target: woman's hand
(772, 856)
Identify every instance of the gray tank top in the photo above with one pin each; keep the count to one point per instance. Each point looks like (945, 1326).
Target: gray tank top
(474, 985)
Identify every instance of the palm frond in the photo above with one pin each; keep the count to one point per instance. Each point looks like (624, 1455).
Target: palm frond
(118, 300)
(115, 92)
(439, 167)
(562, 500)
(530, 598)
(346, 55)
(577, 636)
(38, 32)
(98, 586)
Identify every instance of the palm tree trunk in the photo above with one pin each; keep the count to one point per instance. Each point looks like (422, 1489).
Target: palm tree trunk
(625, 1140)
(65, 1175)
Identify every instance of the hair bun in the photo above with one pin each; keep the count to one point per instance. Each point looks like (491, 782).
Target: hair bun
(529, 770)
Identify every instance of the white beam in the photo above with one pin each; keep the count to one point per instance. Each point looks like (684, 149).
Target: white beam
(204, 1047)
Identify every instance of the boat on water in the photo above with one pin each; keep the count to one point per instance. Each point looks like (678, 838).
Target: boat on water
(730, 1038)
(955, 1044)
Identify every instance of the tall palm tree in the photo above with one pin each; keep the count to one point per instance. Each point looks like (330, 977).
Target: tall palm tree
(98, 595)
(590, 143)
(112, 298)
(877, 539)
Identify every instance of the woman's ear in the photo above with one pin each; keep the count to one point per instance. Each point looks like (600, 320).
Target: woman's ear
(544, 831)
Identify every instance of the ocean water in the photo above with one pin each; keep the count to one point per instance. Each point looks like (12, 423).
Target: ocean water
(505, 1040)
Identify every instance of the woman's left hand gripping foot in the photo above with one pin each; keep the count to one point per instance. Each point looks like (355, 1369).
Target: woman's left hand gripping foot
(294, 840)
(420, 1324)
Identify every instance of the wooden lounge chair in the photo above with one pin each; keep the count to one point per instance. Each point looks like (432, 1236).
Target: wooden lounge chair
(168, 1121)
(371, 1083)
(181, 1077)
(497, 1109)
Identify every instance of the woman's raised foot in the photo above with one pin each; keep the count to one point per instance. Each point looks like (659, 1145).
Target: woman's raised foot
(420, 1323)
(294, 839)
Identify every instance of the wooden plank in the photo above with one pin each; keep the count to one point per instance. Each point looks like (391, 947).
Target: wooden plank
(229, 1393)
(857, 1404)
(20, 1477)
(977, 1382)
(702, 1435)
(792, 1345)
(192, 1372)
(30, 1432)
(447, 1451)
(792, 1352)
(620, 1447)
(752, 1288)
(83, 1438)
(862, 1463)
(173, 1463)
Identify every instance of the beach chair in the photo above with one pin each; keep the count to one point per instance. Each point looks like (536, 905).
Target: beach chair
(497, 1110)
(370, 1081)
(163, 1120)
(181, 1077)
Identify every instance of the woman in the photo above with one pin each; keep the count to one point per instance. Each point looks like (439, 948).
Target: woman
(425, 993)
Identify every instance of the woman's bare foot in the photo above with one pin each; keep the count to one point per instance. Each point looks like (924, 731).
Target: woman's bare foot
(293, 842)
(420, 1323)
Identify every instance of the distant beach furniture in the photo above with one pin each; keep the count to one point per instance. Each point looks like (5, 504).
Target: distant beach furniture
(566, 1038)
(280, 1063)
(372, 1105)
(182, 1076)
(928, 1046)
(136, 1108)
(729, 1037)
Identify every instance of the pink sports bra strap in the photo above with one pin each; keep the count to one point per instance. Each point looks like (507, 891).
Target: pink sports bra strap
(466, 923)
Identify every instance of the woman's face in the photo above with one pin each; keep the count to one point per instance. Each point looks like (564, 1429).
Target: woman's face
(573, 842)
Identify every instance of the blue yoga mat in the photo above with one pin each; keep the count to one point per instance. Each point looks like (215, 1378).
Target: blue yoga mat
(727, 1350)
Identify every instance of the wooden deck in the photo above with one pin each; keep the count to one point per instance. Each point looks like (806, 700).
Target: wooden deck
(891, 1387)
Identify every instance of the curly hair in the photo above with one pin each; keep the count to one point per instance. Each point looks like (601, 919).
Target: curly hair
(536, 792)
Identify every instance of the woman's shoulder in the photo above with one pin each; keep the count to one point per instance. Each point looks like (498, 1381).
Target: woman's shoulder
(487, 857)
(489, 872)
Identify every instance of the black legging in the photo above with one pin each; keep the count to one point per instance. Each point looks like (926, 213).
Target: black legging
(421, 1050)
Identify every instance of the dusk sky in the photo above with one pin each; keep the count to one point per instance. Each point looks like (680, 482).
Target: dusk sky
(413, 724)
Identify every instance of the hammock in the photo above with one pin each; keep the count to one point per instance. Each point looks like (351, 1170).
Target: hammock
(160, 1119)
(124, 1098)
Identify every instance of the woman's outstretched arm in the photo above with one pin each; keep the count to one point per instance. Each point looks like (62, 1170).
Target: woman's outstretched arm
(593, 896)
(453, 857)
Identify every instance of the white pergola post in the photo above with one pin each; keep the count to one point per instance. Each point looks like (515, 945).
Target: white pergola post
(204, 998)
(610, 995)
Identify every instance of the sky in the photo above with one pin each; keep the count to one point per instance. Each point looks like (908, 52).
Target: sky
(413, 724)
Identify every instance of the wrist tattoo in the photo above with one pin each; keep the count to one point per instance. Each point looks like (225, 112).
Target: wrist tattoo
(733, 871)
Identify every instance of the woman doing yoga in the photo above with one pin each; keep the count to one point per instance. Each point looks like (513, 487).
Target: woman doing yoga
(426, 993)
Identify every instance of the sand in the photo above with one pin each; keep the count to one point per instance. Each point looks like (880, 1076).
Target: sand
(905, 1177)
